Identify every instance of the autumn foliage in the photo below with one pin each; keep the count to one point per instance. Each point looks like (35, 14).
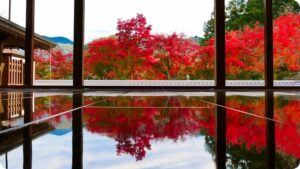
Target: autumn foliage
(136, 53)
(53, 65)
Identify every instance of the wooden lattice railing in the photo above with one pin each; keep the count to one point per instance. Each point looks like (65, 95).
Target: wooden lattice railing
(13, 73)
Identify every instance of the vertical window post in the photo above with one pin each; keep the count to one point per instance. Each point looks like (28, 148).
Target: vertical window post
(220, 44)
(29, 42)
(268, 43)
(78, 43)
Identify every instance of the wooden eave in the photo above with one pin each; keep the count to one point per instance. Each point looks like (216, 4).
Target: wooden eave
(13, 36)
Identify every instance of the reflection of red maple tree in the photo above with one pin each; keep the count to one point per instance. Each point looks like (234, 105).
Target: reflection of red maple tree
(133, 128)
(287, 134)
(51, 105)
(244, 129)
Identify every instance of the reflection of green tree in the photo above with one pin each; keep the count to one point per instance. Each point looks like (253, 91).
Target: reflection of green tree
(238, 156)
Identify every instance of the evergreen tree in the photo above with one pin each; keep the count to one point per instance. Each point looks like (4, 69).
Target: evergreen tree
(240, 13)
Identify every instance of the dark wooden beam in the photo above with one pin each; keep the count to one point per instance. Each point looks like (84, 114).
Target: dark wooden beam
(220, 44)
(270, 129)
(3, 39)
(269, 77)
(221, 131)
(79, 6)
(29, 43)
(77, 136)
(1, 50)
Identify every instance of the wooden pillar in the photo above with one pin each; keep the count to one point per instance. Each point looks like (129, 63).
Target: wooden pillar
(270, 129)
(3, 38)
(220, 131)
(269, 77)
(77, 137)
(220, 44)
(79, 6)
(27, 132)
(1, 110)
(29, 42)
(1, 49)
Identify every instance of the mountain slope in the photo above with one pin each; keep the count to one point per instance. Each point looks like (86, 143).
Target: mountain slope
(59, 39)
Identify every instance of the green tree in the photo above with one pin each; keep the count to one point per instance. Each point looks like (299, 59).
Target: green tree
(240, 13)
(208, 29)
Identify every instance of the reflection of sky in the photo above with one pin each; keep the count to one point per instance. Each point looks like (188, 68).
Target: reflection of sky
(15, 158)
(189, 153)
(55, 152)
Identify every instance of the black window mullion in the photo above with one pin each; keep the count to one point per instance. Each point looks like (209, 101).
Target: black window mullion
(220, 43)
(79, 6)
(268, 29)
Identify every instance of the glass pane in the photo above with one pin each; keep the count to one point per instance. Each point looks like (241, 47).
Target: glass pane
(56, 131)
(18, 11)
(4, 9)
(286, 43)
(244, 43)
(12, 44)
(149, 43)
(55, 25)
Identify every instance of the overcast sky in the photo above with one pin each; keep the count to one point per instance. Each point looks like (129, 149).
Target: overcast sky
(165, 16)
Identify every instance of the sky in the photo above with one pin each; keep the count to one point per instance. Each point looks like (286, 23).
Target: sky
(55, 17)
(165, 16)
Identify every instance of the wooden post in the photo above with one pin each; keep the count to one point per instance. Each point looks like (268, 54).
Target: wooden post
(220, 44)
(269, 77)
(221, 131)
(79, 6)
(29, 42)
(1, 49)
